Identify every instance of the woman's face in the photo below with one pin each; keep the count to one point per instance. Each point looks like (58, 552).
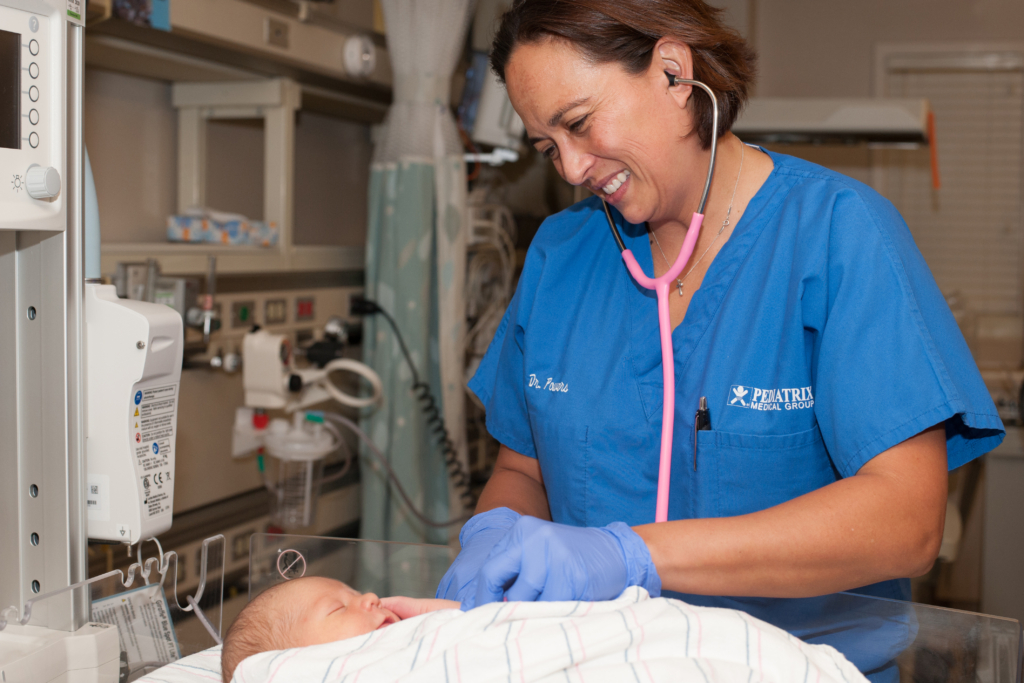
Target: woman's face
(618, 134)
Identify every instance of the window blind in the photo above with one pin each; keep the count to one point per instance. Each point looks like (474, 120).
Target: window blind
(970, 230)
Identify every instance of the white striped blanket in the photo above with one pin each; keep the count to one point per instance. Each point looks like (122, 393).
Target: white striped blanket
(632, 638)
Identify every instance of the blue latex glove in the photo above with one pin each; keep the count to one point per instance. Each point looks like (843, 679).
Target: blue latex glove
(478, 536)
(540, 560)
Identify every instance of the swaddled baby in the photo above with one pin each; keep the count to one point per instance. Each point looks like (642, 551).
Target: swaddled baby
(634, 637)
(311, 611)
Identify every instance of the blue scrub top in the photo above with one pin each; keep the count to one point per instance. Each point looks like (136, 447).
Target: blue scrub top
(818, 337)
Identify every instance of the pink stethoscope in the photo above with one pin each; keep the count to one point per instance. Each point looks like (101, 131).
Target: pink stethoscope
(661, 286)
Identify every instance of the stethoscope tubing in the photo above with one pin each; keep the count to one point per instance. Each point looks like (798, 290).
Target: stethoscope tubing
(661, 286)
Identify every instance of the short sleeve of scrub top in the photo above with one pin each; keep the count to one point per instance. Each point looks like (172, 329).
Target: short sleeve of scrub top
(818, 336)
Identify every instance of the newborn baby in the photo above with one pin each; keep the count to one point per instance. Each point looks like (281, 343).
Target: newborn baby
(311, 611)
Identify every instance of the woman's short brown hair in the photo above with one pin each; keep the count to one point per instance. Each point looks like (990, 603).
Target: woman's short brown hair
(626, 31)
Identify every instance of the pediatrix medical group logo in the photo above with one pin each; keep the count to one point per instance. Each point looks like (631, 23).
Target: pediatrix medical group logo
(756, 398)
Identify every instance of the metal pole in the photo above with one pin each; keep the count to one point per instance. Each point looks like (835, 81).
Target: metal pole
(75, 174)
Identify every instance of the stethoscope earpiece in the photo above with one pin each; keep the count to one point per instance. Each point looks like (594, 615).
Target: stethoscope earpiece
(671, 79)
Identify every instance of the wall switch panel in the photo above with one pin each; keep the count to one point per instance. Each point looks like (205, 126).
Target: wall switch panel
(300, 313)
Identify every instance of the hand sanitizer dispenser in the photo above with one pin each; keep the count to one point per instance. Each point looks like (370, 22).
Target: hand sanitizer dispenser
(133, 366)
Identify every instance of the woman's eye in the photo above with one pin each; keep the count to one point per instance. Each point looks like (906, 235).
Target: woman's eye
(577, 125)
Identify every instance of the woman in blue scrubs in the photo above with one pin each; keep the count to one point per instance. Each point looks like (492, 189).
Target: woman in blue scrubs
(839, 388)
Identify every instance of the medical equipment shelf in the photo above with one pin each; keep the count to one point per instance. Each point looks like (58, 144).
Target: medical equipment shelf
(220, 59)
(114, 52)
(213, 40)
(274, 102)
(190, 259)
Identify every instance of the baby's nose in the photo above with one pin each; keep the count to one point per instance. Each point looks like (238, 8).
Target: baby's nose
(369, 600)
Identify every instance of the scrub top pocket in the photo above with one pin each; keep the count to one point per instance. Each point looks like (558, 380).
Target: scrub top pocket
(743, 473)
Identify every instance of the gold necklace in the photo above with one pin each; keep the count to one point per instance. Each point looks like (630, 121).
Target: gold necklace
(679, 282)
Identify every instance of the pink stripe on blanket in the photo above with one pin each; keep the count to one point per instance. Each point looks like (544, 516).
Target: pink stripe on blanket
(273, 675)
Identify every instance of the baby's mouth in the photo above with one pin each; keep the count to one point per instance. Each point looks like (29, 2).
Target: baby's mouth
(389, 618)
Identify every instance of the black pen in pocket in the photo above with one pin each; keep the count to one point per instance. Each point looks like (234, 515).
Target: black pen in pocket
(701, 422)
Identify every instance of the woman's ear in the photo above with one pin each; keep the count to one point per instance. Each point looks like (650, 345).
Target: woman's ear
(673, 58)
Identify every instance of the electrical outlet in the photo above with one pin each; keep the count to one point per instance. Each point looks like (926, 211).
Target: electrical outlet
(275, 32)
(275, 312)
(240, 545)
(243, 314)
(305, 308)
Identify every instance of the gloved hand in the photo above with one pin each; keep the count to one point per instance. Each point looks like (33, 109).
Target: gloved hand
(478, 537)
(540, 560)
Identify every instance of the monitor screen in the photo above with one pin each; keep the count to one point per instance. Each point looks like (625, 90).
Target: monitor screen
(10, 90)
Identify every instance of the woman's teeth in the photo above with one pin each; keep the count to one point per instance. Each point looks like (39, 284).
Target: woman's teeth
(616, 182)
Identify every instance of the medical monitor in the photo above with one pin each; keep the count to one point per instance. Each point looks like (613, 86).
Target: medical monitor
(10, 90)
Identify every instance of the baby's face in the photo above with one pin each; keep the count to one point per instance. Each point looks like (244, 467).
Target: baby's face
(329, 611)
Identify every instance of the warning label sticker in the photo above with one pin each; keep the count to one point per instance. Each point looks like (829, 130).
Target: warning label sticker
(75, 14)
(152, 421)
(143, 620)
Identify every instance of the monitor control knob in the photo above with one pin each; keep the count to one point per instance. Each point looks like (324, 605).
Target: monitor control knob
(42, 182)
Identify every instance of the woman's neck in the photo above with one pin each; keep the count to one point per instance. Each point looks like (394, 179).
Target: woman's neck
(690, 187)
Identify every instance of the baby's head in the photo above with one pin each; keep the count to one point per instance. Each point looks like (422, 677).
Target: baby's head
(301, 612)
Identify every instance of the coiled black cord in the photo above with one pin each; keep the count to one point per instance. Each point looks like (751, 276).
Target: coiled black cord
(435, 421)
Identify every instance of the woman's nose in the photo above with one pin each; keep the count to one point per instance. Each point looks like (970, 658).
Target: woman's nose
(575, 163)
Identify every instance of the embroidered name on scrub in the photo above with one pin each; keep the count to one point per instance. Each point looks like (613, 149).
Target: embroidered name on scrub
(770, 399)
(535, 383)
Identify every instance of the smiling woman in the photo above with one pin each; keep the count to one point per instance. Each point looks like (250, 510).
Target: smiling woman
(831, 384)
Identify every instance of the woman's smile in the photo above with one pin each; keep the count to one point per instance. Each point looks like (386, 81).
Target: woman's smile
(614, 188)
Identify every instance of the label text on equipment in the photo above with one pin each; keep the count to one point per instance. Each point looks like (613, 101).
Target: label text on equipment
(151, 418)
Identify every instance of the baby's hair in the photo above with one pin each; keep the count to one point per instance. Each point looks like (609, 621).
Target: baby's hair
(261, 626)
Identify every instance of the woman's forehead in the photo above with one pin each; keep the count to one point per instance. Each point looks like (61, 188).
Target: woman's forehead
(546, 59)
(549, 77)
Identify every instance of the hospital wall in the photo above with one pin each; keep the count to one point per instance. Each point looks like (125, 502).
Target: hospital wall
(826, 49)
